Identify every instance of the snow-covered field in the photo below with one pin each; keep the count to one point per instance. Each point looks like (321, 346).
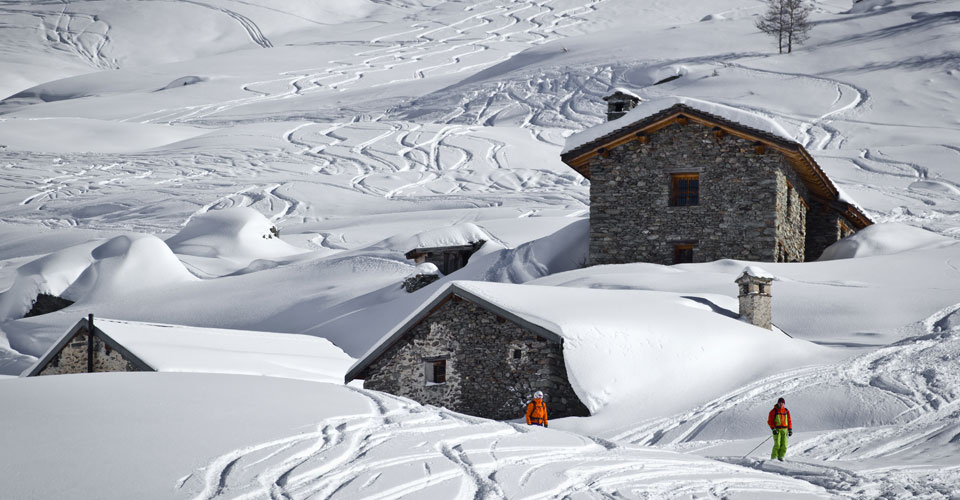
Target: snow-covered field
(147, 149)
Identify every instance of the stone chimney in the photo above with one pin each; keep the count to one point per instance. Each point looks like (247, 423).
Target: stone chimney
(755, 298)
(620, 102)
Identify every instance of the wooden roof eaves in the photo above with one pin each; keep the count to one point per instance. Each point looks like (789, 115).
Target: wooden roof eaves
(810, 171)
(427, 310)
(657, 121)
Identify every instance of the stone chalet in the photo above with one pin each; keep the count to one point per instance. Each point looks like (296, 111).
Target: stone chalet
(484, 348)
(129, 346)
(467, 353)
(681, 180)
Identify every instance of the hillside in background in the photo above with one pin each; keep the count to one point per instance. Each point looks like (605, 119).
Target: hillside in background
(150, 151)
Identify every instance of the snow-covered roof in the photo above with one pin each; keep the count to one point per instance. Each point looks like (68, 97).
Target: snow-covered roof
(756, 272)
(176, 348)
(649, 108)
(644, 339)
(626, 92)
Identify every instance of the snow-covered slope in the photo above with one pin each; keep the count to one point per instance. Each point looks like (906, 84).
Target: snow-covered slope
(361, 129)
(230, 436)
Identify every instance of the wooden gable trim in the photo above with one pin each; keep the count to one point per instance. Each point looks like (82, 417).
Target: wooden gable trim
(810, 173)
(674, 118)
(57, 347)
(73, 332)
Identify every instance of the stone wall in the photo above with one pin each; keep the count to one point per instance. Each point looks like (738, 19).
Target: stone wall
(631, 219)
(824, 228)
(792, 201)
(484, 376)
(72, 358)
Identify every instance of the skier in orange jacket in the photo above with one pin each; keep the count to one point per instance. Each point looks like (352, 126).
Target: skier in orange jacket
(782, 426)
(537, 411)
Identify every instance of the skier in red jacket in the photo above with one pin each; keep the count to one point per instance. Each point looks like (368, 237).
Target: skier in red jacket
(782, 426)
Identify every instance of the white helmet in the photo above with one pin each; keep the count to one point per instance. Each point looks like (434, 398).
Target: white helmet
(538, 395)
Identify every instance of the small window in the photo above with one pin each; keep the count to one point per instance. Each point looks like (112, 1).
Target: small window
(686, 190)
(517, 354)
(683, 254)
(618, 107)
(436, 371)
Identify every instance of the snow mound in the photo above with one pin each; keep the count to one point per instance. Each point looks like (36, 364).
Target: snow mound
(884, 239)
(861, 6)
(654, 106)
(144, 257)
(238, 235)
(94, 271)
(51, 274)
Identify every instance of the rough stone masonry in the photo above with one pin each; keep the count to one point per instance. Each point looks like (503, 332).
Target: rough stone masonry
(493, 366)
(752, 204)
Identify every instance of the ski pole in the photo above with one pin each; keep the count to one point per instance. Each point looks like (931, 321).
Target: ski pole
(759, 445)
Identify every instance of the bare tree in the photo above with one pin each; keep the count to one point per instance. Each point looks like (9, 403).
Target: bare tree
(787, 20)
(798, 23)
(771, 22)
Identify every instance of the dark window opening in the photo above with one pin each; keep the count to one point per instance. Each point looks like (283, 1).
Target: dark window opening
(682, 254)
(618, 107)
(686, 190)
(436, 371)
(517, 354)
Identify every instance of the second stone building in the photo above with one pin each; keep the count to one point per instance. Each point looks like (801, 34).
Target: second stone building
(467, 351)
(680, 180)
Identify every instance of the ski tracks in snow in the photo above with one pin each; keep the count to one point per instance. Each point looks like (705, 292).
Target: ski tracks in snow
(424, 49)
(921, 372)
(399, 449)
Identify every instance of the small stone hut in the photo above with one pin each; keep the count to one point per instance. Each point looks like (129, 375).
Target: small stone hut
(447, 259)
(464, 352)
(87, 349)
(681, 180)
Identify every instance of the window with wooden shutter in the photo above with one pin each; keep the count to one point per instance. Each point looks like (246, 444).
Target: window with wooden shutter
(685, 190)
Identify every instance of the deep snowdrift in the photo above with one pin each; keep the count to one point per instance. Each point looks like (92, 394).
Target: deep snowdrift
(224, 436)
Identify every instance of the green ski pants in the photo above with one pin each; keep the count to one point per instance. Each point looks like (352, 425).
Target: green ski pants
(779, 444)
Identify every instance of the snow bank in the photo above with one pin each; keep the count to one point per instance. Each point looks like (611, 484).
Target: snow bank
(645, 341)
(79, 135)
(51, 274)
(230, 239)
(144, 258)
(884, 239)
(175, 348)
(95, 271)
(651, 107)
